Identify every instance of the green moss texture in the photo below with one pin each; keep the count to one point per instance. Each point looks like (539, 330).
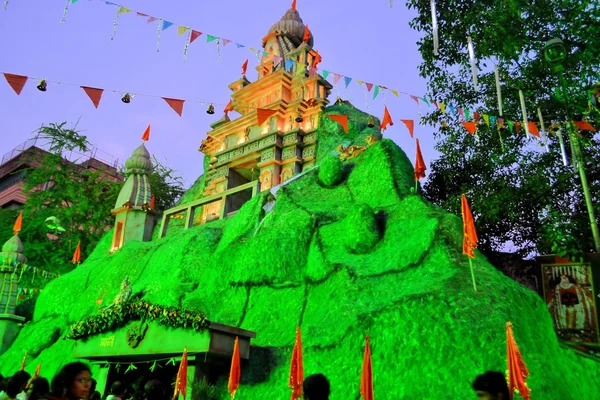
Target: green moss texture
(365, 256)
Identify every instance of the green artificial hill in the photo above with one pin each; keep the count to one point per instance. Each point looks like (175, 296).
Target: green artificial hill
(362, 256)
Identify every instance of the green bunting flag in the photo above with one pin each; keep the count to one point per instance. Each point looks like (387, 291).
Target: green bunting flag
(511, 125)
(325, 74)
(210, 38)
(425, 101)
(467, 114)
(375, 92)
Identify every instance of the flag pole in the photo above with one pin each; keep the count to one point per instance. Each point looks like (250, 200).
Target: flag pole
(472, 274)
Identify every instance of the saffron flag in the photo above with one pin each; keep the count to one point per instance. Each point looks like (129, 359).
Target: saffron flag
(470, 127)
(94, 94)
(175, 104)
(533, 129)
(410, 124)
(36, 375)
(297, 368)
(16, 82)
(419, 164)
(387, 119)
(244, 67)
(146, 135)
(228, 107)
(517, 370)
(584, 126)
(263, 114)
(181, 382)
(366, 376)
(18, 224)
(77, 255)
(306, 34)
(152, 202)
(293, 4)
(341, 119)
(469, 234)
(234, 372)
(317, 59)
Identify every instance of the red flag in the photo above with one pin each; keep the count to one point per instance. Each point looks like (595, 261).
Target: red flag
(228, 107)
(244, 67)
(23, 362)
(152, 202)
(518, 127)
(366, 377)
(387, 119)
(415, 98)
(18, 224)
(176, 104)
(297, 368)
(533, 129)
(294, 5)
(194, 35)
(263, 114)
(77, 256)
(146, 135)
(306, 34)
(419, 164)
(369, 86)
(181, 382)
(584, 126)
(517, 370)
(470, 127)
(410, 124)
(16, 82)
(340, 119)
(469, 234)
(94, 94)
(151, 19)
(234, 372)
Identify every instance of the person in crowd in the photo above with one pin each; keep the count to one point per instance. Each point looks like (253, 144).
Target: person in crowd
(14, 386)
(316, 387)
(39, 389)
(491, 386)
(154, 390)
(73, 382)
(117, 391)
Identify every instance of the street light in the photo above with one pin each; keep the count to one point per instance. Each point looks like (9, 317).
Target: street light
(555, 54)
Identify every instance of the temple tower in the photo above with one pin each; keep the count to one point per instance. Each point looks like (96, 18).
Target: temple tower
(134, 216)
(10, 257)
(240, 151)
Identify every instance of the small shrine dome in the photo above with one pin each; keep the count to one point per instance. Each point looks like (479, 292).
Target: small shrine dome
(292, 24)
(139, 162)
(12, 251)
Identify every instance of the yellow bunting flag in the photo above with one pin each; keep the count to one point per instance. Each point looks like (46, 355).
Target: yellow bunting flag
(443, 108)
(395, 92)
(182, 29)
(486, 118)
(124, 10)
(359, 82)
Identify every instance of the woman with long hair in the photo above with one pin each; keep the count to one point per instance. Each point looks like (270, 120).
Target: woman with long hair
(73, 382)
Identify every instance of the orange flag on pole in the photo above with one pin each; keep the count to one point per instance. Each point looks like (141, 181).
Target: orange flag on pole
(228, 107)
(297, 368)
(262, 114)
(410, 124)
(366, 376)
(18, 224)
(24, 362)
(584, 126)
(517, 370)
(146, 135)
(419, 164)
(469, 235)
(293, 4)
(387, 119)
(244, 67)
(181, 382)
(234, 372)
(36, 375)
(152, 202)
(340, 119)
(306, 34)
(77, 255)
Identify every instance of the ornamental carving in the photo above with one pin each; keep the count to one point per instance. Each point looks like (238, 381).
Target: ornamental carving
(267, 155)
(221, 173)
(289, 152)
(252, 147)
(290, 139)
(310, 138)
(223, 157)
(308, 152)
(237, 152)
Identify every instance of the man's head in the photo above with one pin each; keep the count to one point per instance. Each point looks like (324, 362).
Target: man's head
(118, 389)
(491, 386)
(316, 387)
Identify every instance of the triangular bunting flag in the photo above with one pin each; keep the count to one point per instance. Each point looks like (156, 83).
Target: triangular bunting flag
(492, 121)
(375, 92)
(226, 42)
(518, 127)
(415, 98)
(16, 82)
(486, 119)
(336, 78)
(369, 86)
(533, 129)
(166, 24)
(325, 74)
(395, 92)
(467, 114)
(139, 14)
(289, 64)
(347, 80)
(470, 127)
(277, 60)
(151, 19)
(584, 126)
(182, 29)
(476, 117)
(340, 119)
(239, 46)
(461, 112)
(387, 119)
(510, 126)
(195, 35)
(146, 135)
(176, 104)
(410, 124)
(263, 114)
(210, 38)
(94, 94)
(436, 104)
(443, 108)
(425, 101)
(452, 109)
(124, 10)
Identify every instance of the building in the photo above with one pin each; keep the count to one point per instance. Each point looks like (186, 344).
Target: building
(30, 154)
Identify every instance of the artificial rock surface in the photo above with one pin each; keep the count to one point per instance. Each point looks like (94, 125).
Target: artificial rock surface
(431, 334)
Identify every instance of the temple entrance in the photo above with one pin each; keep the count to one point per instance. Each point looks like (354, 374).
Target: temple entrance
(135, 379)
(238, 176)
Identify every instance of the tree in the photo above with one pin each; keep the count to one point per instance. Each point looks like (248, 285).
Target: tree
(522, 195)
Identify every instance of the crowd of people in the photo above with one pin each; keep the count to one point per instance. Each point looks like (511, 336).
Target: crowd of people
(74, 382)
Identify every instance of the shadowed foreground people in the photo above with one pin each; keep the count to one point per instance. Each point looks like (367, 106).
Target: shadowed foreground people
(491, 386)
(316, 387)
(73, 382)
(154, 390)
(39, 389)
(118, 390)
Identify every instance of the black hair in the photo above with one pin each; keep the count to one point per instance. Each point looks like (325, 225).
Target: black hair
(61, 384)
(21, 378)
(39, 389)
(154, 390)
(316, 387)
(96, 395)
(118, 388)
(93, 385)
(492, 382)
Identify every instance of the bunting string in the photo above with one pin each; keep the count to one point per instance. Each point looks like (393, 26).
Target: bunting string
(158, 29)
(115, 24)
(65, 11)
(5, 5)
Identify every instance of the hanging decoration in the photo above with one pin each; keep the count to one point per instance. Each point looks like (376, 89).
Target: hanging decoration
(366, 376)
(234, 371)
(159, 28)
(544, 133)
(434, 25)
(94, 94)
(126, 98)
(219, 50)
(473, 62)
(120, 11)
(387, 119)
(563, 151)
(498, 89)
(5, 5)
(523, 110)
(175, 104)
(469, 235)
(210, 110)
(42, 86)
(65, 11)
(410, 125)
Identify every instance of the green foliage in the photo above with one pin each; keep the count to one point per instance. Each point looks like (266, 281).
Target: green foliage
(8, 216)
(166, 185)
(361, 233)
(331, 171)
(203, 390)
(521, 195)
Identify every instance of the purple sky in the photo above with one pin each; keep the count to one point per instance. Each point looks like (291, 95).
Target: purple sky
(370, 43)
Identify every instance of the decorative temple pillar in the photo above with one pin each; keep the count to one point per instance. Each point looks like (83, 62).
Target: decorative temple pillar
(10, 257)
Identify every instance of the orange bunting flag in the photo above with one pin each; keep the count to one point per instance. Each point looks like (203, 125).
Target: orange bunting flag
(470, 127)
(470, 235)
(146, 135)
(228, 107)
(584, 126)
(18, 224)
(23, 362)
(306, 34)
(340, 119)
(294, 5)
(517, 370)
(77, 256)
(181, 382)
(36, 375)
(263, 114)
(94, 94)
(533, 129)
(244, 67)
(419, 164)
(152, 202)
(234, 372)
(297, 368)
(175, 104)
(387, 119)
(366, 376)
(16, 82)
(410, 124)
(317, 59)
